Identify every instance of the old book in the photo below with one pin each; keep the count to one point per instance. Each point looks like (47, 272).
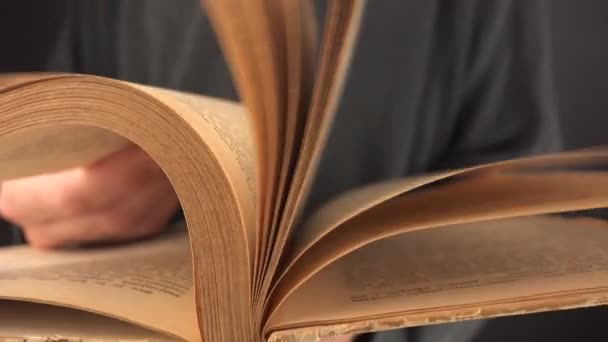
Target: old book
(512, 237)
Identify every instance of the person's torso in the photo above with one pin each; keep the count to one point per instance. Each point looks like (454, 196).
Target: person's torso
(400, 96)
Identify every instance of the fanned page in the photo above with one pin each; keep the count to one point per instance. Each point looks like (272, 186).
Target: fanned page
(342, 26)
(202, 144)
(252, 35)
(137, 284)
(270, 47)
(476, 201)
(448, 274)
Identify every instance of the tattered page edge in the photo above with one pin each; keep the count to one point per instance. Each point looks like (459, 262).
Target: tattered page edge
(523, 306)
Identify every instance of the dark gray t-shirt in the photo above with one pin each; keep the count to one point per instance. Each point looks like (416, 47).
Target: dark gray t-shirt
(434, 84)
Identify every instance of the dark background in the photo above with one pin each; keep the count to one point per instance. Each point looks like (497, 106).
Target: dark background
(580, 52)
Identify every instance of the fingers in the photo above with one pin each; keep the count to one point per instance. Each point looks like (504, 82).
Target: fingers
(122, 197)
(42, 199)
(48, 198)
(109, 226)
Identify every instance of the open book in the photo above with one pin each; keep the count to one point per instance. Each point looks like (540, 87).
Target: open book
(249, 264)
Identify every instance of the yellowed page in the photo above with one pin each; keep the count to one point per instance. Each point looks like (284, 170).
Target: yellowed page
(429, 276)
(197, 159)
(227, 131)
(299, 25)
(342, 28)
(147, 283)
(339, 39)
(46, 149)
(223, 237)
(50, 147)
(469, 199)
(252, 37)
(33, 322)
(356, 202)
(351, 204)
(333, 222)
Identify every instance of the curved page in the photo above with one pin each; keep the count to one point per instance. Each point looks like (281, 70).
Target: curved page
(356, 202)
(23, 321)
(465, 271)
(487, 196)
(143, 283)
(191, 141)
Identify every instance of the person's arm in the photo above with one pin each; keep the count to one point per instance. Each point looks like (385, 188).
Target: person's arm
(507, 105)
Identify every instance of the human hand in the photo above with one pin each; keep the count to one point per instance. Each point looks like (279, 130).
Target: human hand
(122, 197)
